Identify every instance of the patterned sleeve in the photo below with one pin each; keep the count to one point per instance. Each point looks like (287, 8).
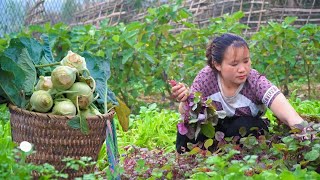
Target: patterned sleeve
(197, 85)
(203, 82)
(263, 88)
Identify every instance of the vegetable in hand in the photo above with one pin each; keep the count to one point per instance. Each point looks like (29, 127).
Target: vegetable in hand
(172, 83)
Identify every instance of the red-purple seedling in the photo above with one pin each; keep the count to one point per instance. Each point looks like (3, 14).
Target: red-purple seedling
(172, 82)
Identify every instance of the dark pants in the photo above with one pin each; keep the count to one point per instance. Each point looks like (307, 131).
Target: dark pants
(230, 126)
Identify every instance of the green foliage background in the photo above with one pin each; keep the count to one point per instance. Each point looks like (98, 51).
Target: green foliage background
(144, 55)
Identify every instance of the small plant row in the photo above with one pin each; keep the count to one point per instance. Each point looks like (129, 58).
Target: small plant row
(276, 155)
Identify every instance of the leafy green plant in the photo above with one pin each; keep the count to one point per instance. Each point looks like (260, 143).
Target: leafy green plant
(199, 116)
(141, 163)
(306, 107)
(278, 155)
(274, 49)
(286, 53)
(151, 128)
(309, 49)
(142, 55)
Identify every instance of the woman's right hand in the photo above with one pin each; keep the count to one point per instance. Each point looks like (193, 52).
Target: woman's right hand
(180, 92)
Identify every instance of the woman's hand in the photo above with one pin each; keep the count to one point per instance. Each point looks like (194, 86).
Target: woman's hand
(180, 92)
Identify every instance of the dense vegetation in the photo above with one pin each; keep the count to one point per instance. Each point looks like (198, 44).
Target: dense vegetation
(146, 151)
(143, 56)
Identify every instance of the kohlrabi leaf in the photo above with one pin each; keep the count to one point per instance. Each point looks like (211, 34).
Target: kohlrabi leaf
(112, 98)
(84, 127)
(3, 96)
(74, 122)
(29, 70)
(123, 113)
(18, 76)
(32, 45)
(47, 48)
(9, 89)
(99, 69)
(79, 122)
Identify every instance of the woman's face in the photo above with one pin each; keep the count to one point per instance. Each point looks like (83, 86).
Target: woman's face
(235, 66)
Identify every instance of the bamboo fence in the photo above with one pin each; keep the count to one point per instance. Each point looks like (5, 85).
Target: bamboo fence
(257, 12)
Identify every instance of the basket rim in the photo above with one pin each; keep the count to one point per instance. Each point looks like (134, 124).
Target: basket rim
(15, 108)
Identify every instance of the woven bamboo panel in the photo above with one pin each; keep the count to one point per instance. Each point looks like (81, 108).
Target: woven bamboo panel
(36, 13)
(257, 12)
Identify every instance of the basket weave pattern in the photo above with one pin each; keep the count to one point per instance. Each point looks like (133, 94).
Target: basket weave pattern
(54, 140)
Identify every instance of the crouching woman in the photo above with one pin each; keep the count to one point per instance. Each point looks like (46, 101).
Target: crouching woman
(235, 88)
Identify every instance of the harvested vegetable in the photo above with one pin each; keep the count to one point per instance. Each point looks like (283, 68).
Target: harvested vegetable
(83, 93)
(91, 111)
(76, 61)
(44, 83)
(64, 107)
(172, 83)
(41, 101)
(63, 77)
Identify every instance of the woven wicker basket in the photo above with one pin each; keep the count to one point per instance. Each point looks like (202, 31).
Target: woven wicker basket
(54, 140)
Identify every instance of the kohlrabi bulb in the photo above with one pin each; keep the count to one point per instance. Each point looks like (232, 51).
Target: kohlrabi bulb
(91, 111)
(44, 83)
(41, 101)
(63, 77)
(84, 94)
(76, 61)
(64, 107)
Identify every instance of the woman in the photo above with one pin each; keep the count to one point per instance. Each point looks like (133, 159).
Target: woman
(236, 89)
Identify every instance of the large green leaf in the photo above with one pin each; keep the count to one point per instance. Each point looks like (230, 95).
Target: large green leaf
(10, 90)
(26, 64)
(84, 127)
(100, 70)
(18, 77)
(112, 97)
(47, 48)
(3, 98)
(74, 122)
(32, 45)
(208, 130)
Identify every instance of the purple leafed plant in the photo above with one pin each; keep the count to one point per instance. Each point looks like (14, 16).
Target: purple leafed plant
(198, 111)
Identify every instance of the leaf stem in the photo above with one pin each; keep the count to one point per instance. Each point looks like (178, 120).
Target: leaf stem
(47, 65)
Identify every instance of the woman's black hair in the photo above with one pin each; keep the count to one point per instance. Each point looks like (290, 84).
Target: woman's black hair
(216, 49)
